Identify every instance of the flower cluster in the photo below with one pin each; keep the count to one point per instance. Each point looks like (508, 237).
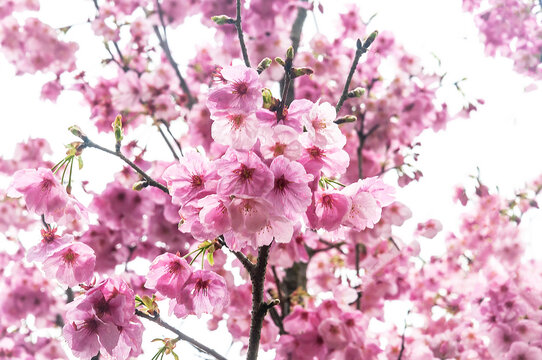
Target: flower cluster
(103, 320)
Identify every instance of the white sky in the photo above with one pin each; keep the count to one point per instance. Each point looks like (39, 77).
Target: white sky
(503, 138)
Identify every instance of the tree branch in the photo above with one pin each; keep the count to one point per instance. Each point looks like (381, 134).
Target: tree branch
(165, 46)
(150, 181)
(167, 142)
(157, 320)
(361, 49)
(248, 265)
(239, 28)
(259, 307)
(173, 137)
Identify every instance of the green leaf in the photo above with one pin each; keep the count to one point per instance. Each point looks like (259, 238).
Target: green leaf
(80, 161)
(210, 258)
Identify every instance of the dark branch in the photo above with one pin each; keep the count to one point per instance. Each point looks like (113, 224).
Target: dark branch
(248, 265)
(259, 307)
(167, 142)
(157, 320)
(165, 46)
(361, 49)
(239, 28)
(150, 181)
(173, 137)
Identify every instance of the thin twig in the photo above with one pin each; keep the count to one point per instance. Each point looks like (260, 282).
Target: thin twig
(150, 181)
(295, 37)
(173, 137)
(239, 28)
(157, 320)
(167, 142)
(360, 50)
(165, 46)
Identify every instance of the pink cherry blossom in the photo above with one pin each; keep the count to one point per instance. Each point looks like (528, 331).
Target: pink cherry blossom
(50, 241)
(238, 89)
(291, 192)
(192, 177)
(71, 264)
(204, 292)
(168, 273)
(328, 209)
(86, 334)
(333, 332)
(243, 173)
(238, 130)
(214, 214)
(41, 190)
(321, 129)
(281, 140)
(429, 229)
(522, 351)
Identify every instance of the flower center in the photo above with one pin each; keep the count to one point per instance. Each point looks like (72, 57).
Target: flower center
(174, 267)
(315, 152)
(237, 121)
(281, 183)
(202, 285)
(240, 88)
(278, 149)
(70, 257)
(48, 236)
(196, 181)
(46, 185)
(327, 201)
(244, 172)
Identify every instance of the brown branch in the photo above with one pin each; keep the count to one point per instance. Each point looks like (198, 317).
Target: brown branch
(295, 37)
(239, 28)
(165, 47)
(167, 142)
(259, 307)
(173, 137)
(360, 50)
(149, 181)
(157, 320)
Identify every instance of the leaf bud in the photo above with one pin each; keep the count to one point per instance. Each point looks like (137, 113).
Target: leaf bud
(222, 19)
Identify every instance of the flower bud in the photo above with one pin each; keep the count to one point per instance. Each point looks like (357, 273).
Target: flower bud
(222, 19)
(370, 39)
(301, 71)
(264, 64)
(346, 119)
(290, 53)
(140, 185)
(76, 130)
(357, 92)
(280, 61)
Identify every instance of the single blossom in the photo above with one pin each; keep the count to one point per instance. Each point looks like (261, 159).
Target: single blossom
(328, 209)
(71, 264)
(281, 140)
(41, 190)
(168, 273)
(333, 332)
(86, 334)
(204, 292)
(50, 241)
(238, 90)
(238, 130)
(193, 176)
(243, 173)
(291, 193)
(321, 128)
